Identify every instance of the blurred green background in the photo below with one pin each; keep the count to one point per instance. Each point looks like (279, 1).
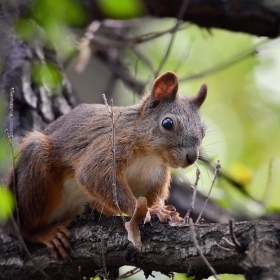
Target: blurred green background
(241, 111)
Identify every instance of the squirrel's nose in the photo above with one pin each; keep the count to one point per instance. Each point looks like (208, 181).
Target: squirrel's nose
(192, 157)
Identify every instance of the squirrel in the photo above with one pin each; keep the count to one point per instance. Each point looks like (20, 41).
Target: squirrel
(70, 163)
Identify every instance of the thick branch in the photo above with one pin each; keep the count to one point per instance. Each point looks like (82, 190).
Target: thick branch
(254, 17)
(165, 248)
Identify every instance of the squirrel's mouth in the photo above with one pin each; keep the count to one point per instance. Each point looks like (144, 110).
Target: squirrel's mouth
(184, 160)
(173, 163)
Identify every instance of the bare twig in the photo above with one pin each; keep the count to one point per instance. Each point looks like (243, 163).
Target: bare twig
(228, 242)
(130, 273)
(187, 216)
(238, 185)
(119, 69)
(9, 136)
(103, 255)
(199, 250)
(217, 170)
(238, 246)
(268, 191)
(184, 56)
(173, 33)
(11, 114)
(144, 59)
(126, 23)
(84, 46)
(130, 42)
(113, 147)
(22, 243)
(224, 248)
(226, 63)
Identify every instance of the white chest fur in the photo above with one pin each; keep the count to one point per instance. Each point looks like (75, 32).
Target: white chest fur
(73, 200)
(144, 174)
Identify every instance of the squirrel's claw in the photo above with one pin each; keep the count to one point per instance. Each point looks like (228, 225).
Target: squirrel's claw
(55, 237)
(58, 243)
(169, 207)
(165, 213)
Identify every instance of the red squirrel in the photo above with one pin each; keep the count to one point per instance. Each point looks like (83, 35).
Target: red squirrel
(70, 163)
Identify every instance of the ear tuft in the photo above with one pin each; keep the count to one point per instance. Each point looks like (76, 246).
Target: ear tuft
(199, 98)
(165, 87)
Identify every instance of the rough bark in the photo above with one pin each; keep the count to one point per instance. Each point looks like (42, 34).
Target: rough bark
(165, 248)
(35, 105)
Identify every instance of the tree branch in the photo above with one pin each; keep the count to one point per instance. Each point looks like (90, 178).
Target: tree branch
(261, 18)
(165, 248)
(257, 17)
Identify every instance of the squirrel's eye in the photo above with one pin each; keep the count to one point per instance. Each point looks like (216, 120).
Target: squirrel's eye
(167, 123)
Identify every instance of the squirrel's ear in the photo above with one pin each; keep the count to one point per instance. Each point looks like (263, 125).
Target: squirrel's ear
(199, 98)
(165, 87)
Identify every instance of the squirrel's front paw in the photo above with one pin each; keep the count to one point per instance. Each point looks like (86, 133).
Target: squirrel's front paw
(165, 213)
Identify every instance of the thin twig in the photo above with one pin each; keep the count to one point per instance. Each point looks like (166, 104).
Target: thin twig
(113, 147)
(238, 246)
(143, 58)
(130, 42)
(130, 273)
(10, 141)
(224, 248)
(103, 255)
(20, 239)
(181, 12)
(269, 185)
(10, 136)
(199, 250)
(184, 56)
(187, 216)
(227, 63)
(238, 185)
(217, 170)
(228, 242)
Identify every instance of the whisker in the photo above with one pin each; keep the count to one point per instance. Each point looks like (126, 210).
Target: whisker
(215, 143)
(217, 122)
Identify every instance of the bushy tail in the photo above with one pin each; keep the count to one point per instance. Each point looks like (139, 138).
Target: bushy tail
(33, 175)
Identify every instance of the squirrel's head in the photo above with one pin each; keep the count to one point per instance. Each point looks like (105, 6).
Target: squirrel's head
(171, 123)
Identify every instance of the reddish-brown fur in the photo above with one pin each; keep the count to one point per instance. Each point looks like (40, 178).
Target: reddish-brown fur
(70, 162)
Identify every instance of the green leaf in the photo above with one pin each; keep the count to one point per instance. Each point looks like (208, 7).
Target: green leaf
(121, 9)
(47, 74)
(6, 203)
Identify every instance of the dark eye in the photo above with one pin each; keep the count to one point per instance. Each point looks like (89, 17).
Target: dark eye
(167, 123)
